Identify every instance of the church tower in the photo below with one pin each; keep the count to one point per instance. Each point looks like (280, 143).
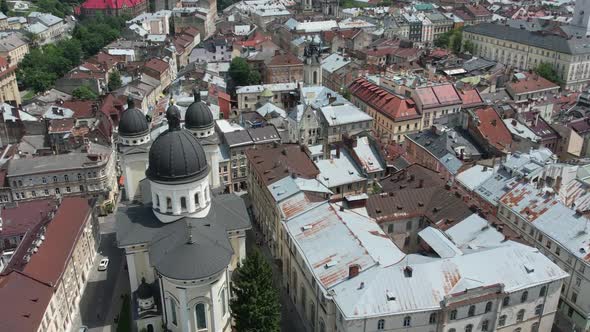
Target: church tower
(581, 17)
(134, 145)
(312, 67)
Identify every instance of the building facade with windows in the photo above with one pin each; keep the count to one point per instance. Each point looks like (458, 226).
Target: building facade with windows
(345, 274)
(561, 234)
(88, 172)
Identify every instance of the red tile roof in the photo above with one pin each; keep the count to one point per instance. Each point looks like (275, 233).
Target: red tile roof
(493, 129)
(539, 126)
(63, 232)
(531, 83)
(22, 218)
(580, 126)
(111, 4)
(61, 125)
(393, 106)
(438, 95)
(82, 108)
(157, 65)
(24, 302)
(470, 97)
(275, 163)
(286, 59)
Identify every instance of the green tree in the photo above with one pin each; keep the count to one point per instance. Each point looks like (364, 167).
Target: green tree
(114, 81)
(545, 70)
(84, 93)
(468, 46)
(240, 72)
(256, 306)
(4, 7)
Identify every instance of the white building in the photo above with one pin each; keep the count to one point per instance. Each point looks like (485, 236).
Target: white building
(182, 244)
(345, 274)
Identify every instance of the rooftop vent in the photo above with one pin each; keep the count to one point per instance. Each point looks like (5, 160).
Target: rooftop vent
(390, 296)
(529, 268)
(408, 271)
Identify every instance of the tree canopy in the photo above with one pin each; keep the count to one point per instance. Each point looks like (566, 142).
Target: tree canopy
(545, 70)
(84, 93)
(45, 64)
(4, 7)
(114, 81)
(256, 306)
(450, 40)
(242, 74)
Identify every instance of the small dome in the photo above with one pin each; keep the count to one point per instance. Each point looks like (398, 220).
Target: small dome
(266, 93)
(133, 122)
(198, 114)
(144, 291)
(176, 155)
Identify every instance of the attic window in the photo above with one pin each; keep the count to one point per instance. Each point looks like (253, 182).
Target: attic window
(390, 296)
(331, 263)
(408, 271)
(306, 227)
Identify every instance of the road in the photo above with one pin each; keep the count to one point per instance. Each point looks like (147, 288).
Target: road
(101, 300)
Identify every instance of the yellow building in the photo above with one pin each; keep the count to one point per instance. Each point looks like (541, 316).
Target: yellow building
(8, 87)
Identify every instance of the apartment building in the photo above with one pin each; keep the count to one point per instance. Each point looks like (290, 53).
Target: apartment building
(523, 49)
(8, 87)
(91, 172)
(437, 103)
(13, 48)
(341, 120)
(560, 233)
(46, 296)
(394, 115)
(345, 274)
(279, 94)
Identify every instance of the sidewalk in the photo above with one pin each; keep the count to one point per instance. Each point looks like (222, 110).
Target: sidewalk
(290, 319)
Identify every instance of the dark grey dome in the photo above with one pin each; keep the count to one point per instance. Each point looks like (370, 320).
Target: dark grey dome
(176, 155)
(133, 122)
(144, 291)
(198, 114)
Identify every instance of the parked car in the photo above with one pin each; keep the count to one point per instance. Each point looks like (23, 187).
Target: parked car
(104, 263)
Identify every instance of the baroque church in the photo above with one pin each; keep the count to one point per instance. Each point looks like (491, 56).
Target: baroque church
(181, 242)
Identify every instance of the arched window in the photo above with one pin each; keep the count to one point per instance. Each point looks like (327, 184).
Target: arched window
(539, 310)
(469, 328)
(535, 327)
(502, 320)
(524, 296)
(520, 315)
(223, 301)
(453, 315)
(169, 203)
(201, 316)
(471, 311)
(518, 330)
(485, 325)
(157, 200)
(183, 203)
(543, 291)
(506, 301)
(452, 330)
(197, 199)
(407, 321)
(173, 311)
(322, 325)
(488, 306)
(381, 324)
(315, 77)
(409, 225)
(432, 318)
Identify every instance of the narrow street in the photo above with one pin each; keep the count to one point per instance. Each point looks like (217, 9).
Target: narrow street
(101, 301)
(290, 319)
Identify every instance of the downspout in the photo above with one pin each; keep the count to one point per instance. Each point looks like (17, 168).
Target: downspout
(164, 310)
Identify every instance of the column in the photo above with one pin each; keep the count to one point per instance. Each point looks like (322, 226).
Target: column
(184, 311)
(132, 272)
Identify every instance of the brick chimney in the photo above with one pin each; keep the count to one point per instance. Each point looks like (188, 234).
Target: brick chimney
(353, 270)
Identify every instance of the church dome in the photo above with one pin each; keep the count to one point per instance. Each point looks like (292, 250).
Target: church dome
(198, 114)
(133, 122)
(176, 155)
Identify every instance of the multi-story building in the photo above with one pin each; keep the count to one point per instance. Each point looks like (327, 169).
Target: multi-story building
(440, 24)
(283, 68)
(345, 274)
(112, 7)
(46, 28)
(8, 87)
(46, 296)
(272, 168)
(394, 115)
(91, 172)
(339, 71)
(279, 94)
(340, 120)
(526, 50)
(13, 48)
(560, 233)
(437, 103)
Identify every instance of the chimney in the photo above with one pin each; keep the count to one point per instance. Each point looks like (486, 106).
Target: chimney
(277, 52)
(558, 184)
(408, 271)
(338, 151)
(353, 270)
(494, 122)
